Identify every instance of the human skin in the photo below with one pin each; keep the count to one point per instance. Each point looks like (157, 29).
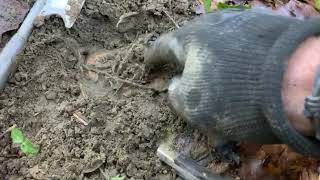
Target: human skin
(297, 84)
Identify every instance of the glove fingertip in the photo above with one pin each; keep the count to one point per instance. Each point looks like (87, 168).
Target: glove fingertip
(165, 51)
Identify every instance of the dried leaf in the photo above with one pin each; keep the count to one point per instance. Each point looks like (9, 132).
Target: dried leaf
(12, 13)
(250, 150)
(297, 9)
(253, 170)
(309, 175)
(277, 161)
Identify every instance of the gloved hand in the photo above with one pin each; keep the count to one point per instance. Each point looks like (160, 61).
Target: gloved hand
(230, 68)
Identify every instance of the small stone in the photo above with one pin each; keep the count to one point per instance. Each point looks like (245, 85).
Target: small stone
(130, 93)
(69, 109)
(50, 95)
(3, 117)
(77, 130)
(114, 111)
(90, 6)
(44, 86)
(65, 115)
(9, 102)
(75, 91)
(92, 114)
(70, 132)
(12, 111)
(94, 130)
(131, 169)
(18, 77)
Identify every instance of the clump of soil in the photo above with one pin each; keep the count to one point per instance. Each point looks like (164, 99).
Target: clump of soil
(52, 96)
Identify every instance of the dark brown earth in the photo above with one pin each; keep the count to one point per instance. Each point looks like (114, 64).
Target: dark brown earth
(126, 121)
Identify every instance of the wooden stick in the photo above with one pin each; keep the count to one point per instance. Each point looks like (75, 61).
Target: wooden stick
(173, 21)
(124, 16)
(7, 131)
(79, 118)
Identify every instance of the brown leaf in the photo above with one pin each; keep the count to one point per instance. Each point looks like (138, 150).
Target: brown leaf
(277, 161)
(249, 150)
(12, 13)
(293, 8)
(297, 9)
(253, 170)
(309, 175)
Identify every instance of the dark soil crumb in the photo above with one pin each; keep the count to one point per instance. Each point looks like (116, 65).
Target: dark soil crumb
(51, 96)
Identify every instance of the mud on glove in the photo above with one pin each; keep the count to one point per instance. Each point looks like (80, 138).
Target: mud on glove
(231, 66)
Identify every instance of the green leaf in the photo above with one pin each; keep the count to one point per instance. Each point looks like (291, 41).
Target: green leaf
(221, 6)
(28, 147)
(317, 4)
(207, 5)
(116, 178)
(17, 136)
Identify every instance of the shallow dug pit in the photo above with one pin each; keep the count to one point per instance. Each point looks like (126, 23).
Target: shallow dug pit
(91, 124)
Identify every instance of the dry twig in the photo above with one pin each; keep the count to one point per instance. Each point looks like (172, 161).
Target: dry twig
(7, 131)
(78, 118)
(172, 20)
(124, 16)
(121, 80)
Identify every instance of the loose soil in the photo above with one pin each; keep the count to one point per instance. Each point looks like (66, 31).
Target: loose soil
(52, 93)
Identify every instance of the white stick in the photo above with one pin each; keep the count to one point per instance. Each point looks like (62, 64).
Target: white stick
(8, 130)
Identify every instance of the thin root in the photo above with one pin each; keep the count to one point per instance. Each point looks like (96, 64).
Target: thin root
(124, 16)
(78, 118)
(121, 80)
(7, 131)
(83, 92)
(172, 20)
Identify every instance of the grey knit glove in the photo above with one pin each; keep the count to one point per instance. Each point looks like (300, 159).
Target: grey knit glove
(230, 69)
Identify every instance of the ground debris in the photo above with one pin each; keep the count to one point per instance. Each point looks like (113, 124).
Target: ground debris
(276, 162)
(295, 8)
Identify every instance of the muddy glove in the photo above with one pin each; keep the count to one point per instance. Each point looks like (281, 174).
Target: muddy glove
(230, 69)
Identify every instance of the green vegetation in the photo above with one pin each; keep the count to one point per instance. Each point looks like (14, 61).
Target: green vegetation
(116, 178)
(317, 4)
(26, 145)
(221, 6)
(207, 5)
